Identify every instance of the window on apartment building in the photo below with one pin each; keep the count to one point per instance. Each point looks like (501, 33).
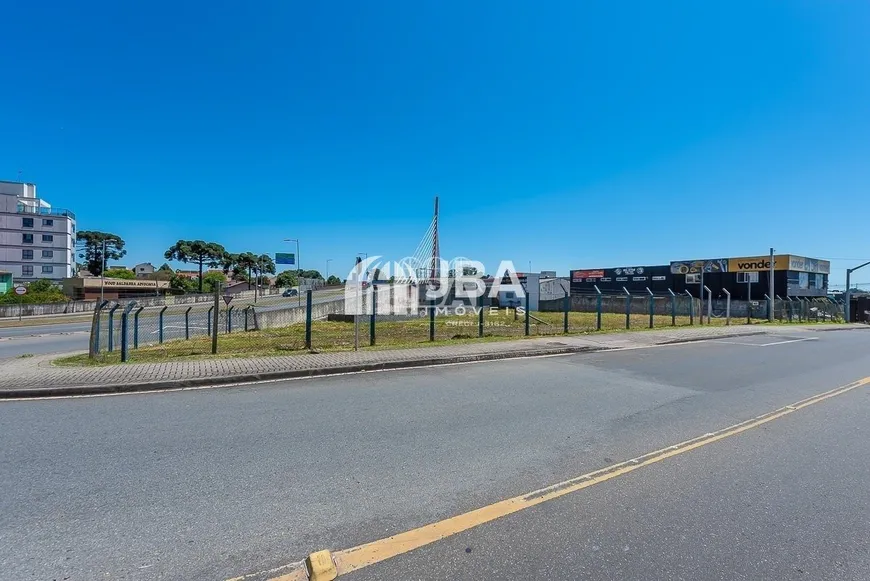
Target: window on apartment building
(46, 269)
(47, 238)
(48, 253)
(27, 222)
(27, 238)
(27, 270)
(26, 255)
(49, 223)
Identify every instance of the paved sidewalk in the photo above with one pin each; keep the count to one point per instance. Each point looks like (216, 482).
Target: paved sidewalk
(38, 377)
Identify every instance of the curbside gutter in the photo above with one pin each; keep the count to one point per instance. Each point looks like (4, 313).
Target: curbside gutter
(172, 384)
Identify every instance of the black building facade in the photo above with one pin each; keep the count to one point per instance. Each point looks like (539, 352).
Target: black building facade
(746, 278)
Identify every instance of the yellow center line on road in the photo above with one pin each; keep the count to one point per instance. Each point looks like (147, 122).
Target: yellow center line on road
(348, 560)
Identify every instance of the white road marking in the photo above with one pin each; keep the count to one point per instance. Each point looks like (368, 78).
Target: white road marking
(790, 341)
(766, 344)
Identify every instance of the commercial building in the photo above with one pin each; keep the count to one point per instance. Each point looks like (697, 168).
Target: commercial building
(89, 288)
(36, 240)
(746, 278)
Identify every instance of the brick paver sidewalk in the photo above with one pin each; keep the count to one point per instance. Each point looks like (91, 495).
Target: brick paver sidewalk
(38, 376)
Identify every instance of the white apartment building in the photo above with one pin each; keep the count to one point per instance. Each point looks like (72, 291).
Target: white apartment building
(36, 240)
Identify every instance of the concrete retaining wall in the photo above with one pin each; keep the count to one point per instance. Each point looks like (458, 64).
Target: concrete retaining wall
(270, 319)
(70, 307)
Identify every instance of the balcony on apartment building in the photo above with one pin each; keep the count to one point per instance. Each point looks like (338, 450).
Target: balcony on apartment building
(43, 209)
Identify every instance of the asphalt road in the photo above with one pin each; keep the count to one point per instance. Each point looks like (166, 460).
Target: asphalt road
(210, 484)
(69, 337)
(38, 339)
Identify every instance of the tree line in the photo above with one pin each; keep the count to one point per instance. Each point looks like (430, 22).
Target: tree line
(97, 248)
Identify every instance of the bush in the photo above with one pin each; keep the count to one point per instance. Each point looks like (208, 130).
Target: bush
(39, 291)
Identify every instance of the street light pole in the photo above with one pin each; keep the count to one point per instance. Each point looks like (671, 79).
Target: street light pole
(328, 260)
(848, 306)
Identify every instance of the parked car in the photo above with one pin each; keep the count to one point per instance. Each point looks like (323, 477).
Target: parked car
(290, 292)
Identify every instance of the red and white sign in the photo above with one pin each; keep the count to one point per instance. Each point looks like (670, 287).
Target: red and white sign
(579, 275)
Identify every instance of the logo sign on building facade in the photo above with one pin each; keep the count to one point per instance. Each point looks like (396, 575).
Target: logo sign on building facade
(755, 263)
(579, 275)
(21, 290)
(802, 264)
(699, 266)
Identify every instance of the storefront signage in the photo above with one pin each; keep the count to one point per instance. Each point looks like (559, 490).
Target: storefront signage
(693, 266)
(802, 264)
(629, 270)
(122, 283)
(756, 263)
(579, 275)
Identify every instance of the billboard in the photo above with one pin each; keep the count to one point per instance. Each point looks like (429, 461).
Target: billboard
(285, 258)
(697, 266)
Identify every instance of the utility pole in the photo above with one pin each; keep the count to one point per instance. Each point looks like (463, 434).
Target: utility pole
(328, 260)
(771, 293)
(848, 305)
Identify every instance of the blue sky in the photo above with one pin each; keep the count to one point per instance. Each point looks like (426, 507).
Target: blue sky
(568, 134)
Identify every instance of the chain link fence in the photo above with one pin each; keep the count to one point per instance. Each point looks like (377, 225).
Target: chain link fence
(324, 320)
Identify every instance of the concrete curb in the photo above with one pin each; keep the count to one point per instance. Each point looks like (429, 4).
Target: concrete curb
(63, 391)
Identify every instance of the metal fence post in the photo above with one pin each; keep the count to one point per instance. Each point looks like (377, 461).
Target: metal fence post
(94, 347)
(598, 308)
(727, 306)
(214, 318)
(125, 327)
(308, 319)
(480, 316)
(245, 311)
(374, 315)
(709, 305)
(111, 346)
(567, 308)
(779, 298)
(432, 320)
(230, 319)
(136, 327)
(769, 308)
(652, 307)
(528, 314)
(160, 324)
(187, 323)
(627, 308)
(691, 308)
(208, 321)
(673, 308)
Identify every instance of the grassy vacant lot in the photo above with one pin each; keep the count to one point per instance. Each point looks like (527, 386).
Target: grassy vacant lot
(335, 336)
